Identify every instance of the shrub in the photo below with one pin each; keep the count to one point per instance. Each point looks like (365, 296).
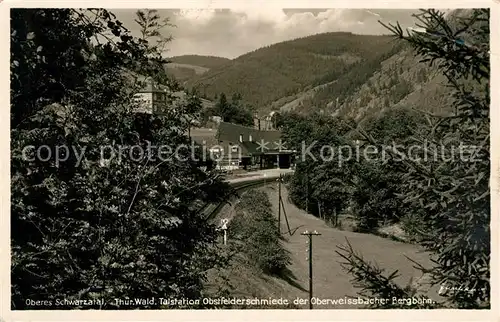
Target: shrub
(256, 228)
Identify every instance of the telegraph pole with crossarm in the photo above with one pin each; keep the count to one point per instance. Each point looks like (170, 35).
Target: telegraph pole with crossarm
(310, 235)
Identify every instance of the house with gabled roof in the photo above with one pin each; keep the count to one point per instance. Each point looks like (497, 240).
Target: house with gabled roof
(154, 98)
(249, 148)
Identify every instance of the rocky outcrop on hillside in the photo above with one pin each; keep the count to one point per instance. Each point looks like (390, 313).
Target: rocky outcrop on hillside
(401, 81)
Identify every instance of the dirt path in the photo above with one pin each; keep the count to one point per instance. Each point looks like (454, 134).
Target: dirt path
(330, 280)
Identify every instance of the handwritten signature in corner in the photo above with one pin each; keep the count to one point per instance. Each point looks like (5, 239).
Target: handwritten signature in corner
(444, 289)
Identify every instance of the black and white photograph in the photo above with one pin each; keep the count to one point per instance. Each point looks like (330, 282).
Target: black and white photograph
(249, 158)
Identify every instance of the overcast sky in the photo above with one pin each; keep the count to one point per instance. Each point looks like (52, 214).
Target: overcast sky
(233, 32)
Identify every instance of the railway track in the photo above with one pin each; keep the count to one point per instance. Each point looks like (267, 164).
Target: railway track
(210, 210)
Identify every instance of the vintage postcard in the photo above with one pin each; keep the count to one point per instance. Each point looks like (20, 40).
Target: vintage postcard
(229, 160)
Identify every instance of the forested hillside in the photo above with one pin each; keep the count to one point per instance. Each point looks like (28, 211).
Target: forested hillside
(398, 80)
(284, 69)
(337, 73)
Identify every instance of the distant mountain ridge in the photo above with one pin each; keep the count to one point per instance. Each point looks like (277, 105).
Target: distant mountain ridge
(283, 69)
(337, 73)
(200, 60)
(186, 67)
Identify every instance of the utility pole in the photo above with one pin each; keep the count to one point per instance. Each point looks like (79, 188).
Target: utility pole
(307, 192)
(310, 235)
(279, 205)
